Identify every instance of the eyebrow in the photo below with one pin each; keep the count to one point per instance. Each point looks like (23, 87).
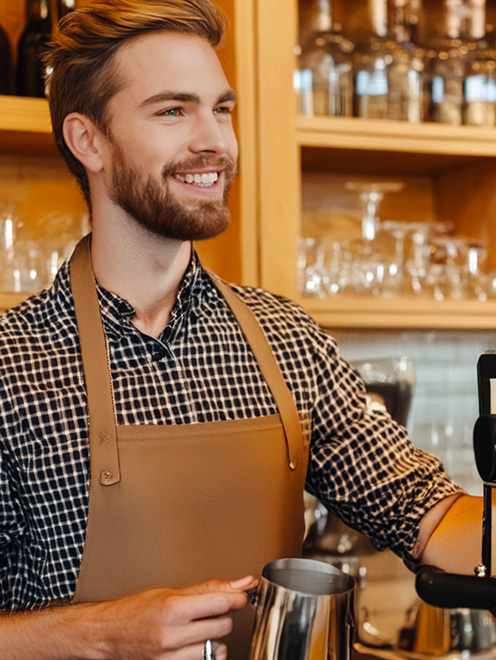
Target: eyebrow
(187, 97)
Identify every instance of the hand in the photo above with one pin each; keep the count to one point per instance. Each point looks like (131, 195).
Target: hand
(170, 624)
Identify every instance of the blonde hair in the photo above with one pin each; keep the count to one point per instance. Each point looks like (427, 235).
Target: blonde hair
(81, 76)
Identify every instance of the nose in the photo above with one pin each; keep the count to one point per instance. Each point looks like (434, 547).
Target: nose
(211, 134)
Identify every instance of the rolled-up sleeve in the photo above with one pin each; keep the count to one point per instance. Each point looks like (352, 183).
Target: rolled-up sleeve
(363, 466)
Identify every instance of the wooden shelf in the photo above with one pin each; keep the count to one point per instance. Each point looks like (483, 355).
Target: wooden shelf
(388, 135)
(397, 313)
(392, 146)
(25, 125)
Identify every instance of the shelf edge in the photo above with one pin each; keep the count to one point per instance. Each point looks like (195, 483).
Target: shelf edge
(388, 135)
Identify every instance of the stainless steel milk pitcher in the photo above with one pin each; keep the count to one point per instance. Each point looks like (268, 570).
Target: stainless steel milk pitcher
(304, 612)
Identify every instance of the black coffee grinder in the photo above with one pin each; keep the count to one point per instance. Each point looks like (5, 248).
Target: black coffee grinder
(478, 591)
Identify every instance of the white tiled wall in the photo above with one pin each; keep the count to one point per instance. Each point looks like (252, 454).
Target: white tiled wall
(445, 402)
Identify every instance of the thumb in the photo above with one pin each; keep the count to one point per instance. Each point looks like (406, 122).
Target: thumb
(243, 584)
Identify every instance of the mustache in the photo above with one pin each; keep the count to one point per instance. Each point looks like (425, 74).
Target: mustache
(228, 165)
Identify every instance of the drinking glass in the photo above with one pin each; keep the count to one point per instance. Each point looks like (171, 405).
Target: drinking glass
(371, 194)
(474, 270)
(445, 273)
(417, 257)
(309, 267)
(367, 267)
(323, 267)
(394, 281)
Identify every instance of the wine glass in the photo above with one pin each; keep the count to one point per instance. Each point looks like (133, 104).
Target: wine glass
(309, 267)
(395, 272)
(371, 194)
(445, 273)
(418, 250)
(322, 267)
(474, 275)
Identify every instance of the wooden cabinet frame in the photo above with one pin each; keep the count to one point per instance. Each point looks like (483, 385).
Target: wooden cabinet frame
(460, 164)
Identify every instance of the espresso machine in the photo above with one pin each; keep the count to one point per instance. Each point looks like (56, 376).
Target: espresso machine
(447, 590)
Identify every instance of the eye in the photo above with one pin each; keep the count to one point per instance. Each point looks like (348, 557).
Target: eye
(223, 110)
(170, 112)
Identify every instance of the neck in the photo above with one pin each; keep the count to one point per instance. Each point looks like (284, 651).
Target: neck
(140, 267)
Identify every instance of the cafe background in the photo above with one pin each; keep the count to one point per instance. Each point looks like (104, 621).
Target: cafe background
(379, 222)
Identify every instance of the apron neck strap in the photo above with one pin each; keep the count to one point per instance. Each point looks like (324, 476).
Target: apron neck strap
(270, 369)
(102, 431)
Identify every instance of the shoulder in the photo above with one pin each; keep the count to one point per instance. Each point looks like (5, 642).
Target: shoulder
(269, 307)
(40, 322)
(284, 320)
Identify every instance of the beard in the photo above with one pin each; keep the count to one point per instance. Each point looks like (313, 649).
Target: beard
(155, 208)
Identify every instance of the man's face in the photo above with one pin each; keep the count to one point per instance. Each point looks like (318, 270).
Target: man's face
(173, 151)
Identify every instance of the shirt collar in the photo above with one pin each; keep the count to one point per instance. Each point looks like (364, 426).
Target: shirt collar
(117, 312)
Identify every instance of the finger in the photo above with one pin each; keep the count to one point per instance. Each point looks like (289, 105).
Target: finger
(198, 631)
(181, 609)
(215, 604)
(243, 584)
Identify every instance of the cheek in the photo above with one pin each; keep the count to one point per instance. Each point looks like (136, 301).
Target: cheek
(233, 146)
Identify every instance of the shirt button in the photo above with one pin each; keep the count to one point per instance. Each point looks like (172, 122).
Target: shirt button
(158, 355)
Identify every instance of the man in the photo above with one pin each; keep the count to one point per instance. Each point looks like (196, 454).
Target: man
(207, 408)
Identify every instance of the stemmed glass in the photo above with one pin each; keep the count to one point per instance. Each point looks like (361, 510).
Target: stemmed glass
(417, 255)
(322, 267)
(474, 275)
(395, 273)
(371, 195)
(445, 274)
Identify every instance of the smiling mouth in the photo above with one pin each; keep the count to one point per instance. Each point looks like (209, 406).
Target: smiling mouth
(202, 180)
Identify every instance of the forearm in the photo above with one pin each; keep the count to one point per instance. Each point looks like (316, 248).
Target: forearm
(58, 633)
(455, 543)
(155, 624)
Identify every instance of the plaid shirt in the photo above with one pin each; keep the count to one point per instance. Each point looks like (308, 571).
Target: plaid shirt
(362, 465)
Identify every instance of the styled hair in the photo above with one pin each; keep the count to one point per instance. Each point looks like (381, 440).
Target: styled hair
(81, 75)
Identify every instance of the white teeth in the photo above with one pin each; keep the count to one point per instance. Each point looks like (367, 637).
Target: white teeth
(204, 180)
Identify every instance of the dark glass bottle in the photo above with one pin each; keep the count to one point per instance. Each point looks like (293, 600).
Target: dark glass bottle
(35, 36)
(64, 7)
(5, 63)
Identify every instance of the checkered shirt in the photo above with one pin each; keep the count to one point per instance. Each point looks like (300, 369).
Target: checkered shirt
(362, 465)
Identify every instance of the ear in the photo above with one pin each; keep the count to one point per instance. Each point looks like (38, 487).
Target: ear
(84, 140)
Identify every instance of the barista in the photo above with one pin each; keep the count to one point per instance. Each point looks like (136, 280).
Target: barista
(158, 425)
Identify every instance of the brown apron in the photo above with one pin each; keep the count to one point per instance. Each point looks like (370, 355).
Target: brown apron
(173, 505)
